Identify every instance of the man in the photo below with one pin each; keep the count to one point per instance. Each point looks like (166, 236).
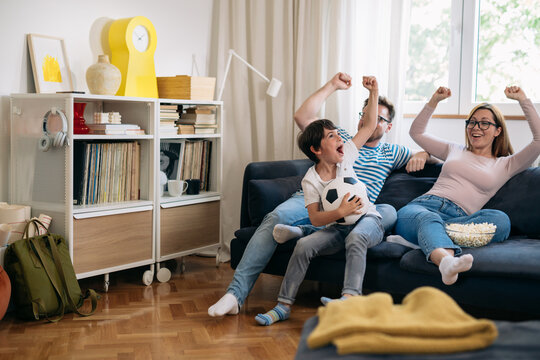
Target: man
(375, 162)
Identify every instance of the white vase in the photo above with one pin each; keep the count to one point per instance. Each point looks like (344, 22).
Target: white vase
(103, 78)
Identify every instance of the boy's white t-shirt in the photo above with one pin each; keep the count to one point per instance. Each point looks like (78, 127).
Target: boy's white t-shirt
(313, 186)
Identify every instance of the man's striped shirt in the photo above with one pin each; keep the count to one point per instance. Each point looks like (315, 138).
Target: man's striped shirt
(374, 164)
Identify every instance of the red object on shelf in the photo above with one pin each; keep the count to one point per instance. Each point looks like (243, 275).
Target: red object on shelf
(79, 125)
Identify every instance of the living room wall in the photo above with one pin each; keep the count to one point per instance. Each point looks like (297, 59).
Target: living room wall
(183, 29)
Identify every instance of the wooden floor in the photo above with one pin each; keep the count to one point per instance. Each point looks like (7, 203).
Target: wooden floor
(164, 321)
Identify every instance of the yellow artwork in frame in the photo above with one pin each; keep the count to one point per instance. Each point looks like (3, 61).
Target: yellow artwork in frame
(49, 64)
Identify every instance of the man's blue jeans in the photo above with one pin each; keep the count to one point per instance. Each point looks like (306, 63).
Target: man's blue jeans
(262, 245)
(423, 221)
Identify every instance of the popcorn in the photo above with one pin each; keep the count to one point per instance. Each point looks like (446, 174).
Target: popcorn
(471, 235)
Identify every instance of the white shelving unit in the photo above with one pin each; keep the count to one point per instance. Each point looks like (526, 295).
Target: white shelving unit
(108, 237)
(201, 229)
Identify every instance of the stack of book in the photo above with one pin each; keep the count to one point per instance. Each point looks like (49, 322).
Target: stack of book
(200, 119)
(107, 118)
(105, 172)
(115, 129)
(168, 115)
(196, 162)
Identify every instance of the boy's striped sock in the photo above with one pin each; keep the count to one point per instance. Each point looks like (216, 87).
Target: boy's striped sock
(279, 313)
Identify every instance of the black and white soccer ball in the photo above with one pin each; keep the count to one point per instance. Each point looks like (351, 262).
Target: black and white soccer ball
(333, 194)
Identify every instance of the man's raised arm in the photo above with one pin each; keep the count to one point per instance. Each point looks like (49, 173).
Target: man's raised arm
(307, 112)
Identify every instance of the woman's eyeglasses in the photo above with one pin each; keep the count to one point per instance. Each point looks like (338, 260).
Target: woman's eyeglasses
(482, 125)
(379, 117)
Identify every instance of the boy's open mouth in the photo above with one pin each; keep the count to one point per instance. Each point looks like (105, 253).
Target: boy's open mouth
(340, 149)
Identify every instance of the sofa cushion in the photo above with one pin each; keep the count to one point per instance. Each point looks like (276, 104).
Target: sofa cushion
(400, 188)
(517, 258)
(265, 194)
(514, 198)
(386, 250)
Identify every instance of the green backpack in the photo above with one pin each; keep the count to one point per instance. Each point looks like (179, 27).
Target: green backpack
(42, 277)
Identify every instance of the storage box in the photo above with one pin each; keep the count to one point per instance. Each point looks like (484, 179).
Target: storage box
(186, 87)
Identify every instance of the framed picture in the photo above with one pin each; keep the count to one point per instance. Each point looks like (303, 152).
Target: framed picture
(49, 64)
(170, 159)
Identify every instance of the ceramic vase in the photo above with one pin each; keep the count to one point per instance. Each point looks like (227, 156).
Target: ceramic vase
(79, 124)
(103, 78)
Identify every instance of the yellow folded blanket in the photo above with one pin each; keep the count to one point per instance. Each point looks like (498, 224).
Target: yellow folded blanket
(427, 321)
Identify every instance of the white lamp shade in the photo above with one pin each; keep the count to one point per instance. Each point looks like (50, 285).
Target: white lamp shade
(273, 87)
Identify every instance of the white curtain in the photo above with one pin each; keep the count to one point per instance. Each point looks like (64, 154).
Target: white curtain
(303, 43)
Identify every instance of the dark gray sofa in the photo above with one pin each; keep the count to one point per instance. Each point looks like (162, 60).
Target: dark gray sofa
(504, 281)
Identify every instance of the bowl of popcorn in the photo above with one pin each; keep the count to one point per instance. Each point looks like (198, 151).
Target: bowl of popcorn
(471, 235)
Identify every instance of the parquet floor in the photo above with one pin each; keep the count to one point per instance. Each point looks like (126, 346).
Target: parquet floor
(164, 321)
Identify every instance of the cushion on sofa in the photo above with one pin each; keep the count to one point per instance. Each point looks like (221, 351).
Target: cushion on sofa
(513, 199)
(265, 194)
(400, 188)
(516, 258)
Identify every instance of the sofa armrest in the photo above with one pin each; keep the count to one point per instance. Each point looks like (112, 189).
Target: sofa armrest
(267, 170)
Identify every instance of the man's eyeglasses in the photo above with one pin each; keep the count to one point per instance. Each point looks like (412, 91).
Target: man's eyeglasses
(482, 125)
(379, 117)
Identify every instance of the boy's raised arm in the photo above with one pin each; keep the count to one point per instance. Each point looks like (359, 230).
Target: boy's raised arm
(368, 123)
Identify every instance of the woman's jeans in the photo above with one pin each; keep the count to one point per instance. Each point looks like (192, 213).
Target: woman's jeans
(355, 239)
(262, 245)
(423, 221)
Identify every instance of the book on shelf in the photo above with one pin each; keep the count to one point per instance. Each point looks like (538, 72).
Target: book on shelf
(205, 130)
(115, 129)
(113, 126)
(196, 162)
(202, 109)
(109, 172)
(172, 107)
(198, 118)
(185, 129)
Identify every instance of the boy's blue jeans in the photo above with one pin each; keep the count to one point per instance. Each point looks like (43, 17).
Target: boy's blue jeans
(355, 239)
(262, 245)
(423, 221)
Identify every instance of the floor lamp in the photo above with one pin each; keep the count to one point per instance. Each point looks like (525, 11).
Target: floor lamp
(273, 87)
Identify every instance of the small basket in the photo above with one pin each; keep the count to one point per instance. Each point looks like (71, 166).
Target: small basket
(471, 235)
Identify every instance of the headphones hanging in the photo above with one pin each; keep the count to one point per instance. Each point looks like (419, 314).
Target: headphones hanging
(57, 140)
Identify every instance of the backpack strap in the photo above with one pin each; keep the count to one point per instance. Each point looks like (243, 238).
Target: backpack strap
(89, 293)
(36, 303)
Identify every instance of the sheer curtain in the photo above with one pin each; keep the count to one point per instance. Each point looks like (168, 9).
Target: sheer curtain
(303, 43)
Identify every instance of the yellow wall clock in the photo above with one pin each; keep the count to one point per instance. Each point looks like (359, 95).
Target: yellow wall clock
(133, 44)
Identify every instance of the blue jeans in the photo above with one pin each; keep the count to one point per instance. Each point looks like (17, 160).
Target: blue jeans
(262, 245)
(423, 220)
(388, 213)
(355, 239)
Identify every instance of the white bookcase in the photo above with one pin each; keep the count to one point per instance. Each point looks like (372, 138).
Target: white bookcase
(189, 224)
(108, 237)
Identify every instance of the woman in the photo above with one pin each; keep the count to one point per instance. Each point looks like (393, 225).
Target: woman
(470, 176)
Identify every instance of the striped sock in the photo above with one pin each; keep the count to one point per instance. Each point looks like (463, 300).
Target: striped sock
(278, 313)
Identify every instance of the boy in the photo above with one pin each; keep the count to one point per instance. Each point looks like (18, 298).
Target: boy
(333, 158)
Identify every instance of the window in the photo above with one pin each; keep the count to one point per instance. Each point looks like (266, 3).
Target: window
(476, 48)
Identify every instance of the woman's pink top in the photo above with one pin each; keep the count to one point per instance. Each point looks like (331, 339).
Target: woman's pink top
(467, 179)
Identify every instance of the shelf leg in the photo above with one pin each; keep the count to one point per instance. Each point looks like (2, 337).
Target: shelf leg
(163, 274)
(106, 282)
(148, 276)
(182, 265)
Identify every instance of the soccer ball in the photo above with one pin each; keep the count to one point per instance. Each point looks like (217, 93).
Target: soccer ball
(333, 194)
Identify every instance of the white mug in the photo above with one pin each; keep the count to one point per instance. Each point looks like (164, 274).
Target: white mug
(176, 187)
